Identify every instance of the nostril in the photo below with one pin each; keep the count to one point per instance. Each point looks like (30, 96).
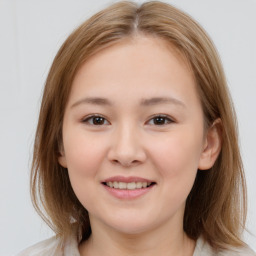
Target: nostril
(115, 161)
(126, 163)
(126, 150)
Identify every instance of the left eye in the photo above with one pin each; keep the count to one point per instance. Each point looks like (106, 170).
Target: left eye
(160, 120)
(96, 120)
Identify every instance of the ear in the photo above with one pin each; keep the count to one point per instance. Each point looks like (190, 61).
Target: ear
(212, 146)
(62, 158)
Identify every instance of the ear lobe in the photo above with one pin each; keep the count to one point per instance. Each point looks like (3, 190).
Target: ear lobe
(212, 146)
(62, 160)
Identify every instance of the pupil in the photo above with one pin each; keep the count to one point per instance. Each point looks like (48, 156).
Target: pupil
(98, 120)
(159, 120)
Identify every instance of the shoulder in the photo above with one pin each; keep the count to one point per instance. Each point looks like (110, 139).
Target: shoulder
(46, 247)
(246, 251)
(52, 247)
(204, 249)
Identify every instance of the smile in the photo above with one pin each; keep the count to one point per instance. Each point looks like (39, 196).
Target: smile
(129, 186)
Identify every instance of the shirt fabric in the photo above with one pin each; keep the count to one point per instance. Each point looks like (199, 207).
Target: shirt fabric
(50, 247)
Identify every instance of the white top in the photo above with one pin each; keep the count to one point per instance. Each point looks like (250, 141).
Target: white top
(49, 247)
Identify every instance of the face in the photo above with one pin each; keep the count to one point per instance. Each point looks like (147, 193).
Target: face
(133, 136)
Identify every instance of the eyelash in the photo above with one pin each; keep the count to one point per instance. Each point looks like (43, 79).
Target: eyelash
(90, 120)
(167, 119)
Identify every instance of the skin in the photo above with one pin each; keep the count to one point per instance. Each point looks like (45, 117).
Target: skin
(129, 142)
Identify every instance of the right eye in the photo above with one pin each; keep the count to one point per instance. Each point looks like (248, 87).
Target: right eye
(95, 120)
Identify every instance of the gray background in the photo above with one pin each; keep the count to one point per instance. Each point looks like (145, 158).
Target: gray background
(31, 31)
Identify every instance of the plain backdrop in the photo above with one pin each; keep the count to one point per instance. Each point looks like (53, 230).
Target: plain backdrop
(31, 31)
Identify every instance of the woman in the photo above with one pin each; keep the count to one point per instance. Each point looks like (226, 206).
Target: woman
(136, 149)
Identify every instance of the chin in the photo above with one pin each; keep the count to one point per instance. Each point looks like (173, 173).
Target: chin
(131, 225)
(133, 230)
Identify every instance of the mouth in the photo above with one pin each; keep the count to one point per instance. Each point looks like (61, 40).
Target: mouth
(128, 188)
(128, 185)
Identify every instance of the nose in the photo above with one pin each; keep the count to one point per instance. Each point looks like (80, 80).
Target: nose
(126, 147)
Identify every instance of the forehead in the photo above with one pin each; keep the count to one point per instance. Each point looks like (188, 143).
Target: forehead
(145, 65)
(142, 48)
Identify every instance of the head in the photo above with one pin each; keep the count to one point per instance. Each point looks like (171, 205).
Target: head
(213, 207)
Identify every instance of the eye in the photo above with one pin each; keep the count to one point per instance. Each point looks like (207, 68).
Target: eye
(160, 120)
(96, 120)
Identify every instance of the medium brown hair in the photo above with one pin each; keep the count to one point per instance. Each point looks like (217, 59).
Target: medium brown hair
(216, 205)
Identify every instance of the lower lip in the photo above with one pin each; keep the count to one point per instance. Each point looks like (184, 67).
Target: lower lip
(127, 193)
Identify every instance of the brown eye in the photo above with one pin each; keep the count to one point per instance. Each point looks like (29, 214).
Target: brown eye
(160, 120)
(96, 120)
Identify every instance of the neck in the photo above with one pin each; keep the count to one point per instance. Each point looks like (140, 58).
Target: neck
(109, 242)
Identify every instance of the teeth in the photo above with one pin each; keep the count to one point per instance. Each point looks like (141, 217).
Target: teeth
(129, 186)
(115, 184)
(110, 184)
(139, 184)
(122, 185)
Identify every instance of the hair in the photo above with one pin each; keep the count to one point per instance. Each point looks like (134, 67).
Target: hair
(216, 206)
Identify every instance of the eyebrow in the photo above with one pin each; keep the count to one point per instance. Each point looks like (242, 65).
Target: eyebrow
(93, 101)
(144, 102)
(161, 100)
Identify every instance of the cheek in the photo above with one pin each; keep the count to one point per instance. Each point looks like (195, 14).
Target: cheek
(176, 160)
(177, 156)
(84, 155)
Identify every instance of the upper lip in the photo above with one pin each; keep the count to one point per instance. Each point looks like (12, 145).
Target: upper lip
(126, 179)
